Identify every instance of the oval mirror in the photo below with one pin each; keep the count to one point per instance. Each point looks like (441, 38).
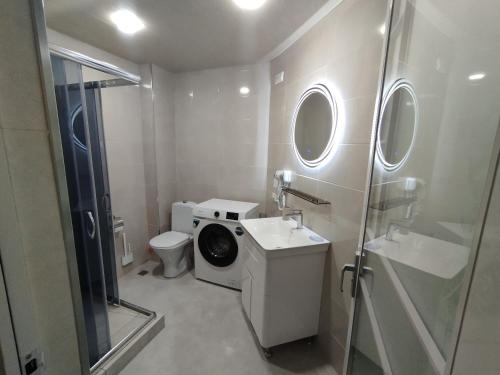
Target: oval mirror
(396, 130)
(314, 123)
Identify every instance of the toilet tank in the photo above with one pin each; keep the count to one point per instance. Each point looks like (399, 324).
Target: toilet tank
(182, 216)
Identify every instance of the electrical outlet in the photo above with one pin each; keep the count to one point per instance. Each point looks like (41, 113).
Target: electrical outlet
(33, 363)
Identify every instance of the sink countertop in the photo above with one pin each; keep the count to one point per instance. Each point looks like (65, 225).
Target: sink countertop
(273, 234)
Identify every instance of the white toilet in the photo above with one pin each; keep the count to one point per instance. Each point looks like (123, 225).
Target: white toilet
(172, 247)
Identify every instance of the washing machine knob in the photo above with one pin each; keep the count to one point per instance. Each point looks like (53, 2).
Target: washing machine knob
(216, 214)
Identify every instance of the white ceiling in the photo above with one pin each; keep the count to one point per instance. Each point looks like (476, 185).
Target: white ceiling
(183, 35)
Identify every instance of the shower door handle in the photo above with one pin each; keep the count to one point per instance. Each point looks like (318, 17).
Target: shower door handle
(106, 202)
(350, 268)
(346, 267)
(91, 230)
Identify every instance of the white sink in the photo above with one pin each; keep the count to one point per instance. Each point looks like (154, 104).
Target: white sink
(427, 254)
(273, 234)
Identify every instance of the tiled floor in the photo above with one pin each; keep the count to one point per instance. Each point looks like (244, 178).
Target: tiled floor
(122, 321)
(206, 332)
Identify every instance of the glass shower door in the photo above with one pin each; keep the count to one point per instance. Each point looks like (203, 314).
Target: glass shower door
(102, 190)
(436, 131)
(75, 135)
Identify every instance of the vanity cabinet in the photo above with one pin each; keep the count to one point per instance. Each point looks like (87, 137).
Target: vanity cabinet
(281, 291)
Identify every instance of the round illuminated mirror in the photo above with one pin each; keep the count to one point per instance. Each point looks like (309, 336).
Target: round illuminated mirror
(396, 130)
(314, 123)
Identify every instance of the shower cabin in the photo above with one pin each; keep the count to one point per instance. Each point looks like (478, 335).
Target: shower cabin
(79, 107)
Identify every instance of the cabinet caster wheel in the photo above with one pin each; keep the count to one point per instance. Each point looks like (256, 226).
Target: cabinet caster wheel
(267, 353)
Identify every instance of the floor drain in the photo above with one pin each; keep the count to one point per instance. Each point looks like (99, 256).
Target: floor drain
(142, 273)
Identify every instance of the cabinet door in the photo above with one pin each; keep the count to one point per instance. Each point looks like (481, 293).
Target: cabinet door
(258, 311)
(246, 291)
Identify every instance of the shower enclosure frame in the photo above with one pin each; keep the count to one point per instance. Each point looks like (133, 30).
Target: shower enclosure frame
(91, 105)
(44, 52)
(93, 63)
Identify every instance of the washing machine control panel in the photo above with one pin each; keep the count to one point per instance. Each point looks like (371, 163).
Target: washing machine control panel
(224, 210)
(218, 214)
(232, 216)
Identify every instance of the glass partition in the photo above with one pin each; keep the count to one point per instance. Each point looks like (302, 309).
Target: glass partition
(432, 153)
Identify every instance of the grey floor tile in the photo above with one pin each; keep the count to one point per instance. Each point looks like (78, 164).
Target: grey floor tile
(206, 331)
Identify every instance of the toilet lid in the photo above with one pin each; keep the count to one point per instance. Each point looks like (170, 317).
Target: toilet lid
(169, 240)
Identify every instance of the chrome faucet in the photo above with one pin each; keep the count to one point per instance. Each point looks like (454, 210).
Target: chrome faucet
(392, 226)
(295, 214)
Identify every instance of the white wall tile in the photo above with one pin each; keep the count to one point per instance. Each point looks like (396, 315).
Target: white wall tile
(359, 120)
(124, 130)
(221, 137)
(37, 212)
(164, 138)
(348, 167)
(14, 265)
(22, 103)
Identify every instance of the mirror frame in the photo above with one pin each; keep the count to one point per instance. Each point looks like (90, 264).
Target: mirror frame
(322, 89)
(405, 85)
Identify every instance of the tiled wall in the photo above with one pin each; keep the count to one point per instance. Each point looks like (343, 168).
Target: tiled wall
(149, 150)
(163, 103)
(123, 132)
(221, 135)
(30, 221)
(344, 51)
(159, 145)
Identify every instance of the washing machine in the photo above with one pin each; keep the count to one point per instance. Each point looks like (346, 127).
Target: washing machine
(219, 253)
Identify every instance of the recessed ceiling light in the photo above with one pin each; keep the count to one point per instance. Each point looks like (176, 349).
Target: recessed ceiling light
(477, 76)
(244, 91)
(126, 21)
(381, 29)
(249, 4)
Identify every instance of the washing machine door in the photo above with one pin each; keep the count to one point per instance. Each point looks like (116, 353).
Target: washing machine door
(217, 245)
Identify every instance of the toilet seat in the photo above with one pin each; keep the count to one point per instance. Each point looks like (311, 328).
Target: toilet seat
(170, 240)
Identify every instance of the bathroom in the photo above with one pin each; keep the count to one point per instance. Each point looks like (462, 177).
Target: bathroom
(249, 187)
